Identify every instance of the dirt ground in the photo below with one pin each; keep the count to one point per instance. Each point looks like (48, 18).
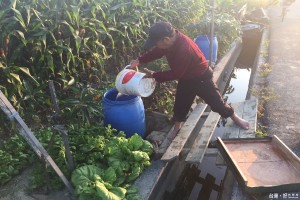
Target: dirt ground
(17, 189)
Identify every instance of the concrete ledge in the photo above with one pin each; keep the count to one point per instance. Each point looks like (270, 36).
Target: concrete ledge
(225, 66)
(147, 181)
(255, 80)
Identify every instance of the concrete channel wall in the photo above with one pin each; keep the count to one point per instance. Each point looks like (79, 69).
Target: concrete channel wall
(162, 176)
(255, 80)
(231, 189)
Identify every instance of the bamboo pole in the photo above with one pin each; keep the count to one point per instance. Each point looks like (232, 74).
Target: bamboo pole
(211, 33)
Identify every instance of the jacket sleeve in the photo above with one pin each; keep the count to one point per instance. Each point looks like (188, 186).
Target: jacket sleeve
(151, 55)
(179, 66)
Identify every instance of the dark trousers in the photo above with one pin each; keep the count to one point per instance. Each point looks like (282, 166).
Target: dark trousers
(205, 88)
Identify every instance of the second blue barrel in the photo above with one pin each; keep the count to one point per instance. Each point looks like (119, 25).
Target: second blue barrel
(124, 113)
(203, 42)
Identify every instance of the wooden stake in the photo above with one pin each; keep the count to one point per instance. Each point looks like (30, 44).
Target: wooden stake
(12, 114)
(60, 128)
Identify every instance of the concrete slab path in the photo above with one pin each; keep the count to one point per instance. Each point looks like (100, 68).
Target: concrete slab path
(283, 114)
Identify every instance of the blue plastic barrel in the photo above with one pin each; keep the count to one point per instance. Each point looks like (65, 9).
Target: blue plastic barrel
(126, 114)
(203, 42)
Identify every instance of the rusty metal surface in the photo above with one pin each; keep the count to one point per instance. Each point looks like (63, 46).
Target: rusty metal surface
(263, 164)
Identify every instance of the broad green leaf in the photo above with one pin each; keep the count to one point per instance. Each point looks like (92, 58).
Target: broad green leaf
(136, 171)
(121, 5)
(27, 86)
(135, 142)
(116, 30)
(27, 72)
(28, 16)
(72, 81)
(133, 197)
(17, 77)
(53, 37)
(147, 147)
(85, 115)
(36, 13)
(41, 33)
(83, 177)
(109, 175)
(21, 34)
(50, 62)
(132, 189)
(44, 37)
(70, 27)
(78, 42)
(68, 49)
(20, 18)
(13, 3)
(1, 66)
(140, 156)
(72, 101)
(116, 193)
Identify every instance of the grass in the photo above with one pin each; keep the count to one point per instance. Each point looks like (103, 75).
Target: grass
(264, 95)
(264, 52)
(264, 70)
(260, 133)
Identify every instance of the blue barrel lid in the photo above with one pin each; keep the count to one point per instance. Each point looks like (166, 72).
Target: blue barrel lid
(111, 95)
(204, 37)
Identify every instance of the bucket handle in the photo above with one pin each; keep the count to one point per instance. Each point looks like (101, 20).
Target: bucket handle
(137, 69)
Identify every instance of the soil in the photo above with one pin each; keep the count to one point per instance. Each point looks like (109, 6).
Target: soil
(17, 189)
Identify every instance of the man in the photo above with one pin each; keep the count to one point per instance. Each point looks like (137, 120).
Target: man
(285, 5)
(188, 66)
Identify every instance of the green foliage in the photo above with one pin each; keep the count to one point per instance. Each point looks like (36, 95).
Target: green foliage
(264, 70)
(121, 159)
(15, 156)
(128, 157)
(93, 182)
(226, 28)
(82, 106)
(84, 44)
(259, 133)
(233, 6)
(74, 43)
(265, 95)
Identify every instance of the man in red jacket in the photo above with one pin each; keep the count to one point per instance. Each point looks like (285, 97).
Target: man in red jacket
(188, 66)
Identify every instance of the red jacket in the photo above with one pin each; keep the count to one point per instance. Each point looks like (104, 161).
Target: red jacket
(184, 57)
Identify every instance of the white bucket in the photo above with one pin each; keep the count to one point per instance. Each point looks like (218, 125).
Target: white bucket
(131, 82)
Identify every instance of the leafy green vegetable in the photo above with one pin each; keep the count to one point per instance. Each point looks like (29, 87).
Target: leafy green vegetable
(91, 180)
(115, 193)
(135, 142)
(105, 162)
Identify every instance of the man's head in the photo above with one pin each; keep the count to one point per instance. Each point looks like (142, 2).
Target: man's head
(161, 35)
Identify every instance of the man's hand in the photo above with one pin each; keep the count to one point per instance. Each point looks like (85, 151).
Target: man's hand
(134, 63)
(149, 73)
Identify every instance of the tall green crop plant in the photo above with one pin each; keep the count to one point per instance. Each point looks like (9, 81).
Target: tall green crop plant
(226, 28)
(75, 43)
